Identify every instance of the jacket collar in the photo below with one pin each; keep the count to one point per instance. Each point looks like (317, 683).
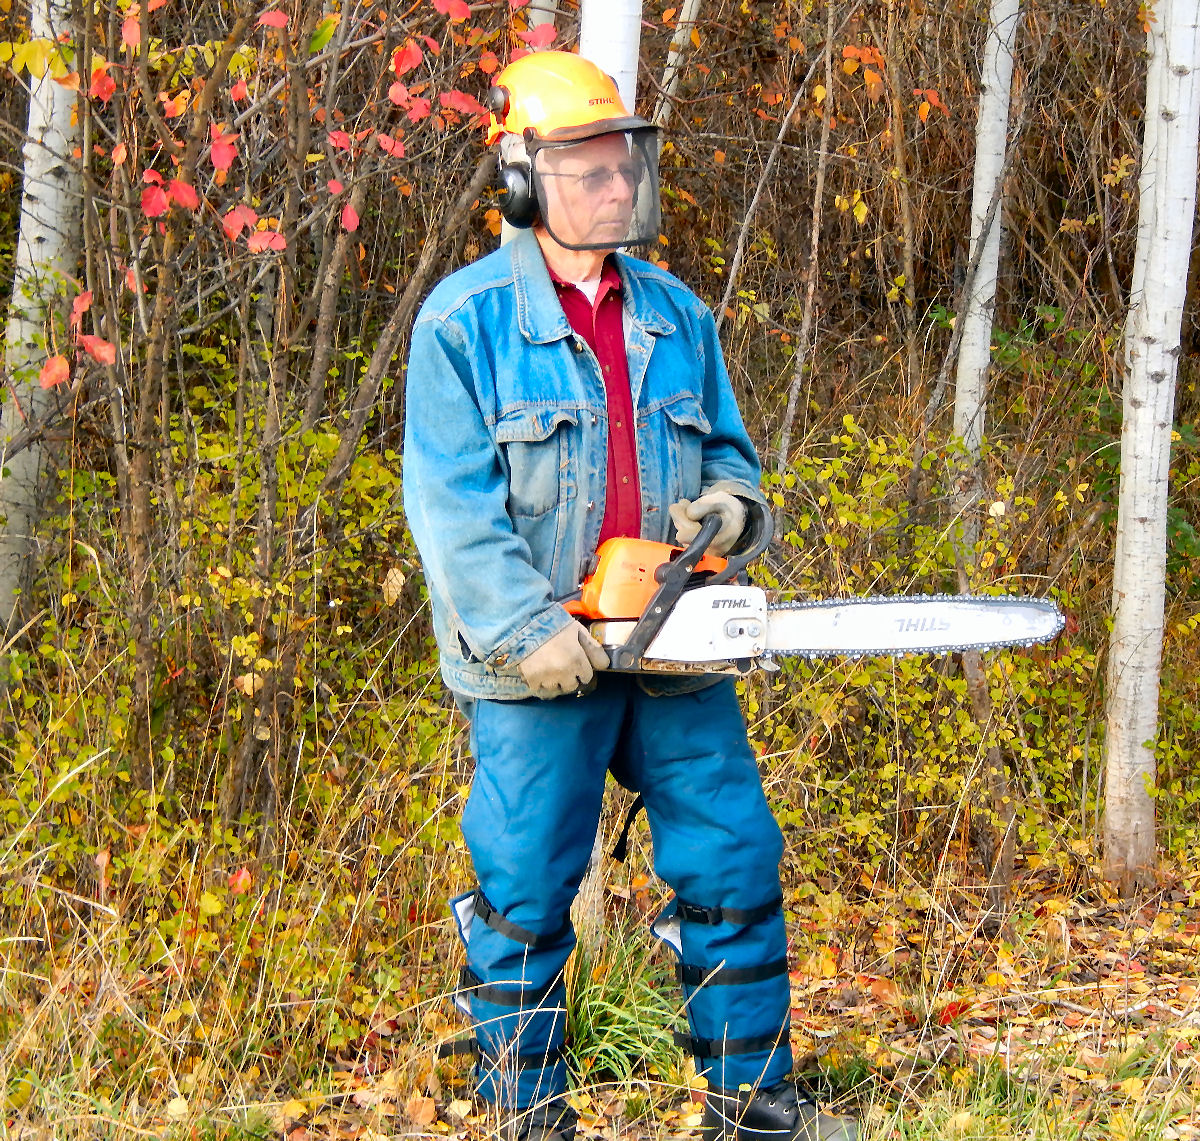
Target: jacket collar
(540, 317)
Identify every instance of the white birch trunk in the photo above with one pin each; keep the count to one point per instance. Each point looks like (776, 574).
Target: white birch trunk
(674, 67)
(609, 35)
(610, 32)
(47, 249)
(978, 312)
(1167, 204)
(538, 12)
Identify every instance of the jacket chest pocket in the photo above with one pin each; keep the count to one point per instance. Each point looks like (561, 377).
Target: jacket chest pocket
(686, 427)
(539, 448)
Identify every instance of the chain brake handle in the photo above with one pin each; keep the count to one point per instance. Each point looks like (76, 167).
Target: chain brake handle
(673, 577)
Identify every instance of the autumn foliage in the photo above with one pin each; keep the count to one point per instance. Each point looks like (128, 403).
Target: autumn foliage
(229, 775)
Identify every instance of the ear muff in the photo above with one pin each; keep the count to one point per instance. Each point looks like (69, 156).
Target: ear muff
(518, 199)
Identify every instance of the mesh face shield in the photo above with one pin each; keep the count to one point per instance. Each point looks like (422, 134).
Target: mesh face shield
(598, 193)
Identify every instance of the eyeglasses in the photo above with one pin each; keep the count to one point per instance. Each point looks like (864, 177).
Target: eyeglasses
(597, 180)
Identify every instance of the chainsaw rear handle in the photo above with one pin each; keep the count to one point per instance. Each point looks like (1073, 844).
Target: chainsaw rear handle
(761, 526)
(673, 577)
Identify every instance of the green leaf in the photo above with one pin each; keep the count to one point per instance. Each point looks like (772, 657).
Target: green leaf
(323, 33)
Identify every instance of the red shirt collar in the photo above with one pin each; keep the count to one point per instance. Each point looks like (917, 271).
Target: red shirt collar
(610, 279)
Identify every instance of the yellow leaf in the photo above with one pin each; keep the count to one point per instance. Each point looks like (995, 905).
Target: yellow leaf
(819, 94)
(1131, 1087)
(960, 1122)
(860, 213)
(695, 38)
(421, 1110)
(849, 66)
(393, 581)
(209, 904)
(294, 1110)
(177, 1108)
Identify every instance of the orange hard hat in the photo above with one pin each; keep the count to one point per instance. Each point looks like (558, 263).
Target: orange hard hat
(559, 96)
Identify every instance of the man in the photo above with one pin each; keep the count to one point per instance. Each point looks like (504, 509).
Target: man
(560, 393)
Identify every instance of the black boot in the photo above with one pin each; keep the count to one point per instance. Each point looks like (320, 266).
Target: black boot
(551, 1120)
(775, 1114)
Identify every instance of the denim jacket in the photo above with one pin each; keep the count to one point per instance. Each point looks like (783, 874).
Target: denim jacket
(505, 448)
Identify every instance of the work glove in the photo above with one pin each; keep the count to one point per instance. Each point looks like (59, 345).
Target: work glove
(688, 514)
(565, 664)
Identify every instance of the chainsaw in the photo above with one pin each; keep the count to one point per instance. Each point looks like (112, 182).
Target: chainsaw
(660, 608)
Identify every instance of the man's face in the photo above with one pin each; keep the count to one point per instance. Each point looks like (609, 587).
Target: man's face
(587, 191)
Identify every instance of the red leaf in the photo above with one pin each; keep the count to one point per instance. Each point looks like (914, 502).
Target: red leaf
(455, 9)
(240, 881)
(97, 348)
(103, 85)
(432, 45)
(156, 4)
(398, 94)
(335, 187)
(79, 307)
(154, 201)
(406, 58)
(393, 147)
(419, 109)
(461, 101)
(238, 219)
(266, 240)
(540, 36)
(119, 153)
(131, 32)
(56, 370)
(183, 194)
(340, 140)
(273, 18)
(153, 176)
(223, 148)
(517, 3)
(488, 62)
(349, 218)
(239, 91)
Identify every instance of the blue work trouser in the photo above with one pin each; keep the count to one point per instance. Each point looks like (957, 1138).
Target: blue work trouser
(530, 823)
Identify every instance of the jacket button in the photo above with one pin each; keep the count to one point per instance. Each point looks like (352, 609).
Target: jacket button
(577, 345)
(501, 661)
(591, 505)
(595, 418)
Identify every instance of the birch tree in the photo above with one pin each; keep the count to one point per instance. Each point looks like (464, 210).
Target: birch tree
(1167, 204)
(610, 33)
(47, 248)
(977, 314)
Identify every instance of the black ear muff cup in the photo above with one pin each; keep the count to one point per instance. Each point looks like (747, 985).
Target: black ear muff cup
(518, 200)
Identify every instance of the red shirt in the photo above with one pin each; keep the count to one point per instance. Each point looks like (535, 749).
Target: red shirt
(600, 324)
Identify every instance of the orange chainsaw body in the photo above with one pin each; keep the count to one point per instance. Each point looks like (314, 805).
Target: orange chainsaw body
(623, 580)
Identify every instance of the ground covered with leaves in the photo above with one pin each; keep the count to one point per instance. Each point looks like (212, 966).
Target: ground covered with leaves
(1074, 1015)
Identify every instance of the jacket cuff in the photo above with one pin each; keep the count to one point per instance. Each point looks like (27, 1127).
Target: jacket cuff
(527, 639)
(738, 488)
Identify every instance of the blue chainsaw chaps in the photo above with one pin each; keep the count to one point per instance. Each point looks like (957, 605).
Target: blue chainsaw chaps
(530, 823)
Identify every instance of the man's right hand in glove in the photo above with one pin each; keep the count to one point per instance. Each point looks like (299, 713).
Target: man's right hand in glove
(565, 664)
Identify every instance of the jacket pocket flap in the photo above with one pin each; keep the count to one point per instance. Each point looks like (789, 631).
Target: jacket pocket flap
(688, 413)
(531, 425)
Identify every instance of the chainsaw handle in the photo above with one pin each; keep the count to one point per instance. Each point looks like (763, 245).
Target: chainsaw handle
(672, 577)
(761, 527)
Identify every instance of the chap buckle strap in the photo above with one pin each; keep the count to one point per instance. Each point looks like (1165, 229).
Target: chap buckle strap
(692, 975)
(743, 917)
(489, 915)
(522, 997)
(720, 1047)
(539, 1061)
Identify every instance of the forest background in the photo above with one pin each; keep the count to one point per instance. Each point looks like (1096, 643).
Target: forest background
(230, 775)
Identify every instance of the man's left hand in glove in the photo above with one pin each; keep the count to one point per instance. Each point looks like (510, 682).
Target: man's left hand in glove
(688, 514)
